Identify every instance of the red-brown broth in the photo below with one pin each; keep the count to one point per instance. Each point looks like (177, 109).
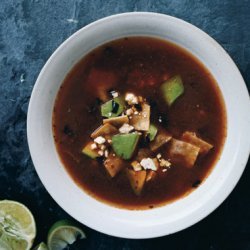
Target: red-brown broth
(138, 65)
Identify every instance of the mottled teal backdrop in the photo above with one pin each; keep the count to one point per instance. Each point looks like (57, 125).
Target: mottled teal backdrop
(30, 30)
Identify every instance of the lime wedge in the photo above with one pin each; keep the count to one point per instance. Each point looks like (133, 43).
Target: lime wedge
(62, 234)
(17, 226)
(41, 246)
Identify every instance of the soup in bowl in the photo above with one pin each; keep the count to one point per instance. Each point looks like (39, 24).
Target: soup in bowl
(135, 125)
(139, 122)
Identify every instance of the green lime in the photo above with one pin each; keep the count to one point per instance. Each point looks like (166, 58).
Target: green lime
(41, 246)
(17, 226)
(63, 233)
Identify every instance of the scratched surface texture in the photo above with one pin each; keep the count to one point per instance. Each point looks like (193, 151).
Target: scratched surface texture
(30, 30)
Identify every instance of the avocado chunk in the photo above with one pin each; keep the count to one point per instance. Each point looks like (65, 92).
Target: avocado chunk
(92, 153)
(172, 89)
(152, 132)
(124, 145)
(113, 108)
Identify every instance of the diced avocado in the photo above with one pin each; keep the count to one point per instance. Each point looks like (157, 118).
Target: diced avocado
(87, 150)
(113, 108)
(124, 145)
(152, 132)
(172, 89)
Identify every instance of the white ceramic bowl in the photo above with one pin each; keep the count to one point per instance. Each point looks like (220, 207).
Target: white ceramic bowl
(163, 220)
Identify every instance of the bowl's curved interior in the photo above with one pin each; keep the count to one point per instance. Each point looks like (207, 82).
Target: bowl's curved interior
(163, 220)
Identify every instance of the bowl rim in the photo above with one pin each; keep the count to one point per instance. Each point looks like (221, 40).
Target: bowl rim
(104, 228)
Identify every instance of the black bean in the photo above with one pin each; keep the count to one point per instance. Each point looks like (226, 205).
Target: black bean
(162, 118)
(111, 92)
(138, 107)
(91, 109)
(100, 159)
(152, 103)
(98, 101)
(147, 139)
(94, 107)
(68, 131)
(109, 50)
(144, 142)
(196, 184)
(115, 106)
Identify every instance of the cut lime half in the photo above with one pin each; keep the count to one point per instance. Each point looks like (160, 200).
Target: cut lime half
(41, 246)
(17, 226)
(63, 233)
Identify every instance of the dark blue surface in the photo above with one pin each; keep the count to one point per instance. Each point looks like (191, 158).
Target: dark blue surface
(30, 30)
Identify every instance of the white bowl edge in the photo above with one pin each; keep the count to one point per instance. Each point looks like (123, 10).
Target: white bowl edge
(167, 219)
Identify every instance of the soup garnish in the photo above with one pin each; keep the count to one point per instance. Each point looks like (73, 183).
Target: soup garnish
(126, 122)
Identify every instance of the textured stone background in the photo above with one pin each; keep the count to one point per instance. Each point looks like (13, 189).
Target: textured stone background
(30, 30)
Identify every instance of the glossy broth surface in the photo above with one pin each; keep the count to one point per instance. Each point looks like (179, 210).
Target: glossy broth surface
(138, 65)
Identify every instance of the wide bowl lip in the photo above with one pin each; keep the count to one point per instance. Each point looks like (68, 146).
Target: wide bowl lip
(227, 190)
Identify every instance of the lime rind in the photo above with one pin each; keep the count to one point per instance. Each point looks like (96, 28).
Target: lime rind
(17, 226)
(41, 246)
(63, 233)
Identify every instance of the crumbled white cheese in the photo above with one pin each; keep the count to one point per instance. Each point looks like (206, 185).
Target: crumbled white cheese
(129, 111)
(158, 156)
(131, 99)
(136, 166)
(165, 163)
(148, 163)
(100, 152)
(136, 112)
(126, 128)
(164, 170)
(114, 94)
(99, 140)
(109, 141)
(93, 146)
(106, 153)
(103, 147)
